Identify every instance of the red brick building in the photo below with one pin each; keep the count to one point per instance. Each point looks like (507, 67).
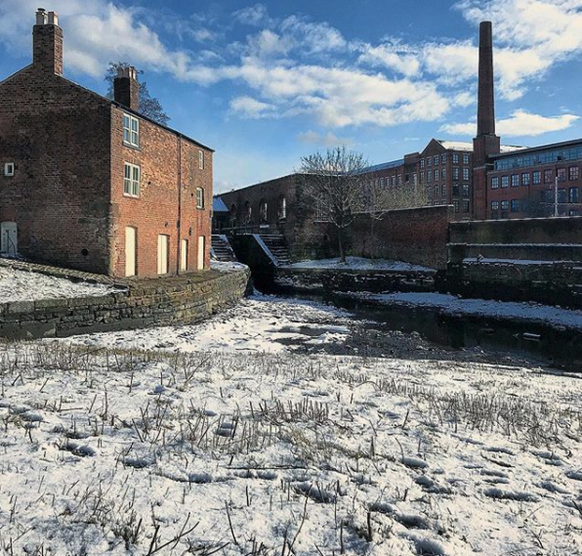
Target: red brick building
(89, 183)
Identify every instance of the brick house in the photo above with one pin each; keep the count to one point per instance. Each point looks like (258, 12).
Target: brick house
(89, 183)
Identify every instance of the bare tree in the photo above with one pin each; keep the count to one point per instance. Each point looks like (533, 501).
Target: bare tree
(333, 185)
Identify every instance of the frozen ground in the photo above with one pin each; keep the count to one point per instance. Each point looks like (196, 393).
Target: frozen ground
(108, 449)
(452, 305)
(358, 263)
(20, 285)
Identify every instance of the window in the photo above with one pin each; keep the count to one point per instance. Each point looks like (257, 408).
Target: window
(504, 181)
(536, 177)
(525, 179)
(548, 176)
(199, 198)
(514, 205)
(201, 160)
(455, 190)
(561, 174)
(428, 160)
(504, 205)
(436, 192)
(573, 173)
(465, 205)
(422, 162)
(263, 211)
(436, 159)
(444, 173)
(465, 190)
(429, 176)
(465, 159)
(131, 180)
(9, 169)
(399, 179)
(465, 173)
(495, 183)
(415, 179)
(455, 173)
(443, 158)
(514, 180)
(443, 190)
(456, 205)
(561, 195)
(573, 195)
(455, 158)
(130, 130)
(406, 178)
(422, 177)
(494, 205)
(393, 181)
(436, 175)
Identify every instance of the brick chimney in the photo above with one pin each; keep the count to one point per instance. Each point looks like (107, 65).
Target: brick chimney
(126, 87)
(47, 43)
(486, 142)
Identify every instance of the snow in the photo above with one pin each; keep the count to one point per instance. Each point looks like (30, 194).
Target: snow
(20, 285)
(226, 266)
(359, 263)
(206, 442)
(451, 305)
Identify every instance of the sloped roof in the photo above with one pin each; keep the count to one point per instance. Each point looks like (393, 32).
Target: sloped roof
(383, 166)
(218, 205)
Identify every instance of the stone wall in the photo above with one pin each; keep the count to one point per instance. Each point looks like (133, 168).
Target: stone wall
(159, 302)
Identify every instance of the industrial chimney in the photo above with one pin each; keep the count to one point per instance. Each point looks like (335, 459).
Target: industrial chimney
(486, 143)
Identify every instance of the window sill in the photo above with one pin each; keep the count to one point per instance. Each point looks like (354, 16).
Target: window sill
(130, 146)
(128, 196)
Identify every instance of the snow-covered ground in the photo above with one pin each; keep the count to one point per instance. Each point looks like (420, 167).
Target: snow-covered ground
(358, 263)
(223, 266)
(205, 444)
(262, 323)
(20, 285)
(556, 317)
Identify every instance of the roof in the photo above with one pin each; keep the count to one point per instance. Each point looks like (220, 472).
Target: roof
(218, 205)
(119, 105)
(468, 147)
(525, 150)
(383, 166)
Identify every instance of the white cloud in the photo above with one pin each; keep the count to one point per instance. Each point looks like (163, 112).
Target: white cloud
(249, 107)
(520, 124)
(255, 16)
(392, 57)
(328, 139)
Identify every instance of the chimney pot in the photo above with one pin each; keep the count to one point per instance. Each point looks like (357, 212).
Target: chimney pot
(53, 18)
(41, 16)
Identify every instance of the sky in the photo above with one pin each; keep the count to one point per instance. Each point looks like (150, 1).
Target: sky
(265, 84)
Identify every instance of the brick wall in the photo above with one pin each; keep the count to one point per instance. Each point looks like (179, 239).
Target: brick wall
(166, 204)
(57, 134)
(168, 301)
(416, 236)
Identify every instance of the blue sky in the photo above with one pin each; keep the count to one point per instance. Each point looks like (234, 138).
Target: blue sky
(266, 83)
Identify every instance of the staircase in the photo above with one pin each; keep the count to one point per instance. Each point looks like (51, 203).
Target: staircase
(221, 249)
(275, 242)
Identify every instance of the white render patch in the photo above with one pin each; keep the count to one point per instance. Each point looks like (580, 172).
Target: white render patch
(459, 306)
(359, 263)
(21, 285)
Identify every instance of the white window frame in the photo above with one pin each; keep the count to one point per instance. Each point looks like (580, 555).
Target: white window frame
(130, 130)
(200, 198)
(9, 169)
(200, 160)
(131, 182)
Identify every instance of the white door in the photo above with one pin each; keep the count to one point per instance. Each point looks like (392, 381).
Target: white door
(8, 238)
(130, 251)
(163, 251)
(184, 255)
(201, 252)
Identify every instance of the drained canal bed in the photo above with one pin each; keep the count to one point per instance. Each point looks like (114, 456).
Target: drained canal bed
(535, 341)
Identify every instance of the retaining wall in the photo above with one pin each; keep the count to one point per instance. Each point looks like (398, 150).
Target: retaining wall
(156, 302)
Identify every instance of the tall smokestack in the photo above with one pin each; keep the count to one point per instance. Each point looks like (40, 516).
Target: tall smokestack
(485, 99)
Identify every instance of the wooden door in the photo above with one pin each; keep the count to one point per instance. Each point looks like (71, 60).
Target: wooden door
(130, 251)
(163, 252)
(201, 252)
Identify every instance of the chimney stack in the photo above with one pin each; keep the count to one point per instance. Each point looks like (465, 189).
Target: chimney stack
(485, 100)
(126, 87)
(47, 43)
